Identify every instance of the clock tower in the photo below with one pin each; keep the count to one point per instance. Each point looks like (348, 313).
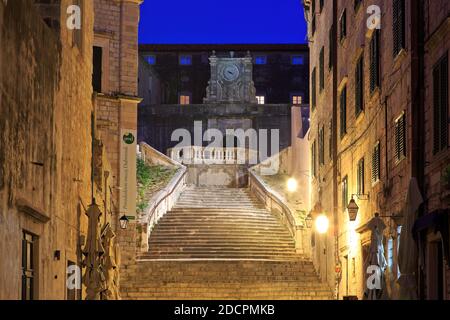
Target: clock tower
(231, 80)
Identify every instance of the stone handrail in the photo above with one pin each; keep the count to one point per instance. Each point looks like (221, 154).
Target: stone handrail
(164, 200)
(213, 155)
(276, 204)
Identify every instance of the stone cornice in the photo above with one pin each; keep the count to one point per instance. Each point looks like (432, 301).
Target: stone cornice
(30, 210)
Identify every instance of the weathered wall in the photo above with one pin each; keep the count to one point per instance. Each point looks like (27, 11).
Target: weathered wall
(116, 30)
(45, 145)
(231, 176)
(437, 33)
(321, 117)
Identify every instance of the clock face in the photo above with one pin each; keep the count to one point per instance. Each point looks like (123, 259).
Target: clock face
(230, 72)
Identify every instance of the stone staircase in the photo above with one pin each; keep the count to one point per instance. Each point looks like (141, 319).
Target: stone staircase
(220, 243)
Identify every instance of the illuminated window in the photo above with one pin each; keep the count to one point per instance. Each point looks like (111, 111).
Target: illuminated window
(151, 60)
(297, 100)
(261, 60)
(297, 60)
(186, 60)
(261, 99)
(185, 99)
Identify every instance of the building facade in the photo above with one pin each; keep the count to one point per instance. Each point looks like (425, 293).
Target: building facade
(55, 161)
(280, 72)
(373, 83)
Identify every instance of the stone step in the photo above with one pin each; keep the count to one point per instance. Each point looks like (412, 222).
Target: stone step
(213, 242)
(221, 243)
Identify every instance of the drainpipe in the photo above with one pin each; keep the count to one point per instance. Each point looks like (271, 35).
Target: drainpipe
(334, 142)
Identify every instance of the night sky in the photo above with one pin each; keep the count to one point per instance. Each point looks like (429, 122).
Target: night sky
(222, 21)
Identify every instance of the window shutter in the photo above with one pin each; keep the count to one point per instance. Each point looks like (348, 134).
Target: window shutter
(444, 104)
(343, 111)
(359, 86)
(345, 193)
(361, 176)
(331, 44)
(398, 26)
(321, 146)
(376, 163)
(313, 89)
(313, 158)
(374, 60)
(440, 105)
(321, 70)
(400, 138)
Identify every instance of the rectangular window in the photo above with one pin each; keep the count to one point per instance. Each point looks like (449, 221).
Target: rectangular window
(398, 26)
(322, 146)
(331, 44)
(321, 70)
(186, 60)
(440, 105)
(151, 60)
(400, 138)
(357, 4)
(261, 99)
(313, 159)
(185, 99)
(376, 158)
(261, 60)
(359, 86)
(73, 293)
(343, 25)
(343, 111)
(321, 5)
(361, 177)
(28, 266)
(375, 61)
(313, 89)
(297, 60)
(344, 193)
(97, 69)
(296, 100)
(330, 141)
(313, 24)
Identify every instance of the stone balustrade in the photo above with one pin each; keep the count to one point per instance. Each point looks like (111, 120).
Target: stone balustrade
(213, 155)
(278, 205)
(165, 199)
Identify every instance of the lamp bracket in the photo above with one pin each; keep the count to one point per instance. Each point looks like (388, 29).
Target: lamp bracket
(361, 196)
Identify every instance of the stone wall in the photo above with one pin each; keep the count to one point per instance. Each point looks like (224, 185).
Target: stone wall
(437, 33)
(116, 31)
(277, 79)
(400, 92)
(157, 123)
(45, 145)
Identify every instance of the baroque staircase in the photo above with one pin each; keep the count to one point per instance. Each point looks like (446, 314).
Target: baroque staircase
(220, 243)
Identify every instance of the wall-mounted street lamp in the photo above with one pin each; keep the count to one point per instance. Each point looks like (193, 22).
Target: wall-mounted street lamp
(292, 185)
(123, 222)
(322, 224)
(309, 221)
(353, 208)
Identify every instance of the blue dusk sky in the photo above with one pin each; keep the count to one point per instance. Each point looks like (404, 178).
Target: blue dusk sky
(222, 22)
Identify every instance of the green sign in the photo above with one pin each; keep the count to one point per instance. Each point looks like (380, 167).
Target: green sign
(128, 138)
